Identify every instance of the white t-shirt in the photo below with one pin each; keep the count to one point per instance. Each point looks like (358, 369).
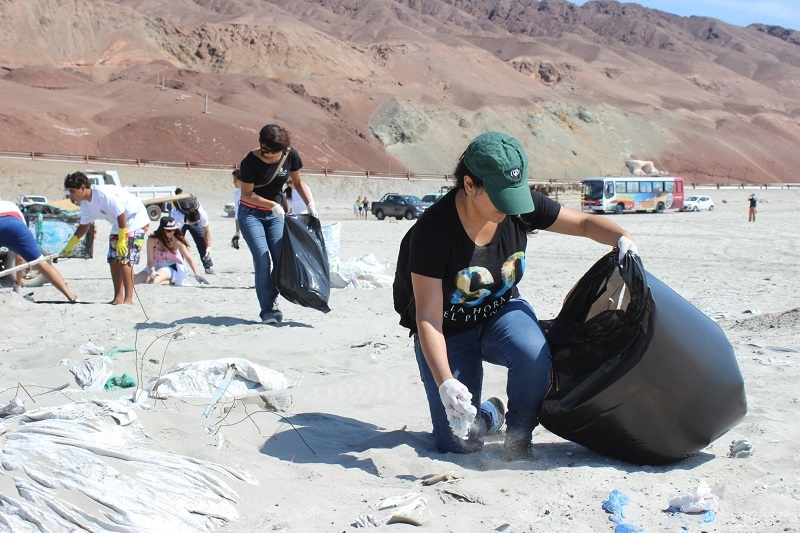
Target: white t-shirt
(296, 203)
(237, 199)
(180, 218)
(10, 209)
(110, 201)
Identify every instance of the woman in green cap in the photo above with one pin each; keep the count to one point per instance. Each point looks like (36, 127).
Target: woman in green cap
(466, 257)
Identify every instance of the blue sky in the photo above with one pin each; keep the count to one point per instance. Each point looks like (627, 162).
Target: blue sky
(785, 13)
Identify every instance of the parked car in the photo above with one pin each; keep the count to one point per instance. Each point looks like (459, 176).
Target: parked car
(698, 203)
(399, 206)
(431, 197)
(27, 199)
(435, 196)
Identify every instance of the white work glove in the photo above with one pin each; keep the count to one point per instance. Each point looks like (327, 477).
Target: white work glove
(201, 280)
(312, 210)
(460, 412)
(207, 257)
(626, 245)
(278, 211)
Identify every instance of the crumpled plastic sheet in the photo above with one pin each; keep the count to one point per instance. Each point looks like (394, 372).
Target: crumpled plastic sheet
(741, 449)
(700, 501)
(361, 272)
(13, 408)
(92, 374)
(203, 378)
(331, 234)
(90, 348)
(461, 422)
(124, 486)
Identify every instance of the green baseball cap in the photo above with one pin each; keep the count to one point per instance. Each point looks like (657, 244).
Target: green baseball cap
(499, 161)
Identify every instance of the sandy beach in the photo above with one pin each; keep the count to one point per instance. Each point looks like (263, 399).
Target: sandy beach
(353, 429)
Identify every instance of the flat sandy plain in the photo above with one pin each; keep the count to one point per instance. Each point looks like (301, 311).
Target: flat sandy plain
(357, 429)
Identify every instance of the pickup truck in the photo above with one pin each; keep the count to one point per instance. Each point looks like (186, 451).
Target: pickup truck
(155, 198)
(399, 206)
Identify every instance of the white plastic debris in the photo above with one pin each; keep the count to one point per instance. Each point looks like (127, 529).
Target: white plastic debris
(695, 502)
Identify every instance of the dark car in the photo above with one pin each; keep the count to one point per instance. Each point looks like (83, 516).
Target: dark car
(399, 206)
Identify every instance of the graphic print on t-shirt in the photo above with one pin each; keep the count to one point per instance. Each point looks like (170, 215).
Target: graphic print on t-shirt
(477, 295)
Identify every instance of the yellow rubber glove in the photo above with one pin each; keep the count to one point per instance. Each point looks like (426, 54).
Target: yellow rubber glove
(122, 243)
(71, 243)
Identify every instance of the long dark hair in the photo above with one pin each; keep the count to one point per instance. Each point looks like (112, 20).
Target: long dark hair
(161, 234)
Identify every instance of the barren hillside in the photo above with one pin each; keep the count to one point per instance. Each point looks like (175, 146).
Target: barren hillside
(400, 85)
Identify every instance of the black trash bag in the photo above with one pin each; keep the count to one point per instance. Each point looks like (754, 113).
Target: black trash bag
(639, 373)
(303, 275)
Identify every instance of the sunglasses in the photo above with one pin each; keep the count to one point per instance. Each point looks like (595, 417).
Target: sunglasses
(265, 150)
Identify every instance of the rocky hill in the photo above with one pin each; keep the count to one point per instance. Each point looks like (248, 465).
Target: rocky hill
(402, 85)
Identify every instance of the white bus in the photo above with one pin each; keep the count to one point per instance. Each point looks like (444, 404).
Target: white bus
(632, 193)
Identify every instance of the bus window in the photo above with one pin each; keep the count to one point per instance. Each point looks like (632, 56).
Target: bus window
(593, 189)
(610, 189)
(658, 187)
(679, 187)
(668, 186)
(633, 186)
(645, 186)
(620, 187)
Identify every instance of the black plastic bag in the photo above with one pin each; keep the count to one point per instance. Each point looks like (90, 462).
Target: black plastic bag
(303, 274)
(638, 372)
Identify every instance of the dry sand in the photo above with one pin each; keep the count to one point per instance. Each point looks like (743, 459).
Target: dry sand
(357, 430)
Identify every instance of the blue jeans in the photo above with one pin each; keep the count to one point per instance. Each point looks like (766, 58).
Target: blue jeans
(513, 339)
(263, 233)
(199, 237)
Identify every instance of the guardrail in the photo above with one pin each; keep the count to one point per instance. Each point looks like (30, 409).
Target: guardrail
(446, 178)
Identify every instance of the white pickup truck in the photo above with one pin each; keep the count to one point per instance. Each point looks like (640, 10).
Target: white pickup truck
(154, 198)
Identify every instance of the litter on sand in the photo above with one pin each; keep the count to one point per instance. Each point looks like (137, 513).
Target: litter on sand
(740, 449)
(74, 449)
(402, 509)
(204, 379)
(699, 501)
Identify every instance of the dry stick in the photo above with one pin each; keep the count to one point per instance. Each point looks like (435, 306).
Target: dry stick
(250, 416)
(139, 371)
(21, 386)
(49, 389)
(140, 365)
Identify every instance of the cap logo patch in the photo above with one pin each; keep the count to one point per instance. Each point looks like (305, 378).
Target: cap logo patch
(515, 175)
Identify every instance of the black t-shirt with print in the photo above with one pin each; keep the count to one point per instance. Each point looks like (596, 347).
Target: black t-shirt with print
(254, 170)
(476, 280)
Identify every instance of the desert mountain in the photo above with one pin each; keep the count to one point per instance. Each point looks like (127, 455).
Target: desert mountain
(402, 85)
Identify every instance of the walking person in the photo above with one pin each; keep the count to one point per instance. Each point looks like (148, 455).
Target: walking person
(358, 205)
(466, 257)
(264, 172)
(751, 217)
(129, 223)
(15, 235)
(193, 219)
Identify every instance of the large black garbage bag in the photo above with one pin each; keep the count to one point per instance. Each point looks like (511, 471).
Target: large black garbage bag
(303, 274)
(638, 372)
